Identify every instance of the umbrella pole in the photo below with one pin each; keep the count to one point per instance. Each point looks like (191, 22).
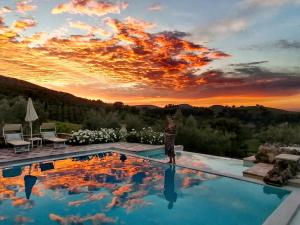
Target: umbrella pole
(31, 133)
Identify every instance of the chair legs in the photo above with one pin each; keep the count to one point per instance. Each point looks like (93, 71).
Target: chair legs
(23, 148)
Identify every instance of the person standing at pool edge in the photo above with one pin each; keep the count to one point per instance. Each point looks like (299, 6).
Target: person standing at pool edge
(170, 132)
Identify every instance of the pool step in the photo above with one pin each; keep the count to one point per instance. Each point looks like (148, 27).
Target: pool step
(249, 161)
(258, 171)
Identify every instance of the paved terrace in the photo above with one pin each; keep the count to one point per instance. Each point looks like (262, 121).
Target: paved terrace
(7, 156)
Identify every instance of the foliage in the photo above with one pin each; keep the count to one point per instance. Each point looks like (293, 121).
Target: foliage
(283, 133)
(145, 136)
(149, 136)
(107, 135)
(66, 127)
(104, 135)
(219, 130)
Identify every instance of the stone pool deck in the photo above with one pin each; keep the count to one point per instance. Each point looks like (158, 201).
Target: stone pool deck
(7, 156)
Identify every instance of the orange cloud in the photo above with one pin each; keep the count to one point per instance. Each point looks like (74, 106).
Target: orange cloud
(90, 7)
(24, 24)
(9, 34)
(99, 218)
(25, 6)
(90, 198)
(130, 59)
(133, 65)
(139, 24)
(4, 10)
(92, 30)
(23, 220)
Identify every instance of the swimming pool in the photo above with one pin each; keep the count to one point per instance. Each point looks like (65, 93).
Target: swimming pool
(112, 188)
(201, 161)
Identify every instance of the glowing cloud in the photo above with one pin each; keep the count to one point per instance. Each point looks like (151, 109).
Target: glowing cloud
(140, 61)
(24, 24)
(25, 6)
(4, 10)
(92, 30)
(90, 7)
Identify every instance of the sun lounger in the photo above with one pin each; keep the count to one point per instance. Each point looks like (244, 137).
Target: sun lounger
(48, 132)
(13, 135)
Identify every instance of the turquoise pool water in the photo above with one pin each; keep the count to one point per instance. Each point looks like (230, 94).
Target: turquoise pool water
(201, 161)
(109, 188)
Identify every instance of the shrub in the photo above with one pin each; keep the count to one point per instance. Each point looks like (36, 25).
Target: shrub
(149, 136)
(104, 135)
(66, 127)
(146, 136)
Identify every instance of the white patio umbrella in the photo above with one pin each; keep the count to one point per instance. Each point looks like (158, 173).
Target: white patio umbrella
(30, 115)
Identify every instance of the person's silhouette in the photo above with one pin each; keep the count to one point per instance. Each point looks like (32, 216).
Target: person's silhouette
(169, 186)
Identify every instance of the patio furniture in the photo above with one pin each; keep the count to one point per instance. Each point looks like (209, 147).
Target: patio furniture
(13, 135)
(37, 140)
(48, 132)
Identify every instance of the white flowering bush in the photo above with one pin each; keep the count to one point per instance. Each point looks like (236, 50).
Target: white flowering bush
(108, 135)
(104, 135)
(146, 136)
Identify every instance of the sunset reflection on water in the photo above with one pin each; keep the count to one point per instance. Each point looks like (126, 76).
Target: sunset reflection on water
(109, 188)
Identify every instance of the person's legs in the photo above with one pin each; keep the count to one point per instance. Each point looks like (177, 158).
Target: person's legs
(173, 159)
(170, 157)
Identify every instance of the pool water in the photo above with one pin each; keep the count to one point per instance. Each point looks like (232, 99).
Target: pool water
(109, 188)
(201, 161)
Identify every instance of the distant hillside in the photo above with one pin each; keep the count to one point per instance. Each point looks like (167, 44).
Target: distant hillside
(12, 87)
(67, 107)
(220, 130)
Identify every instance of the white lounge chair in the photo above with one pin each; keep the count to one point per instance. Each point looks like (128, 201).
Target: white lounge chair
(48, 132)
(13, 135)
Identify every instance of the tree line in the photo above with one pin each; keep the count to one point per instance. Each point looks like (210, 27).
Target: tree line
(219, 130)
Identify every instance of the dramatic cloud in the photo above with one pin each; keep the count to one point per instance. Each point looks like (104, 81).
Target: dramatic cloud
(267, 3)
(25, 6)
(4, 10)
(99, 218)
(286, 44)
(11, 33)
(282, 44)
(249, 64)
(90, 7)
(139, 24)
(240, 18)
(155, 7)
(92, 30)
(225, 27)
(24, 24)
(253, 80)
(135, 60)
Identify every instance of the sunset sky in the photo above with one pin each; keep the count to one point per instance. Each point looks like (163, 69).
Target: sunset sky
(200, 52)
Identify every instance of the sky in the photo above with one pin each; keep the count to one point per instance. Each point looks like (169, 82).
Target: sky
(145, 52)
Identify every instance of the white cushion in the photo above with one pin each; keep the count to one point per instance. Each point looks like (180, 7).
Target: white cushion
(13, 137)
(49, 134)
